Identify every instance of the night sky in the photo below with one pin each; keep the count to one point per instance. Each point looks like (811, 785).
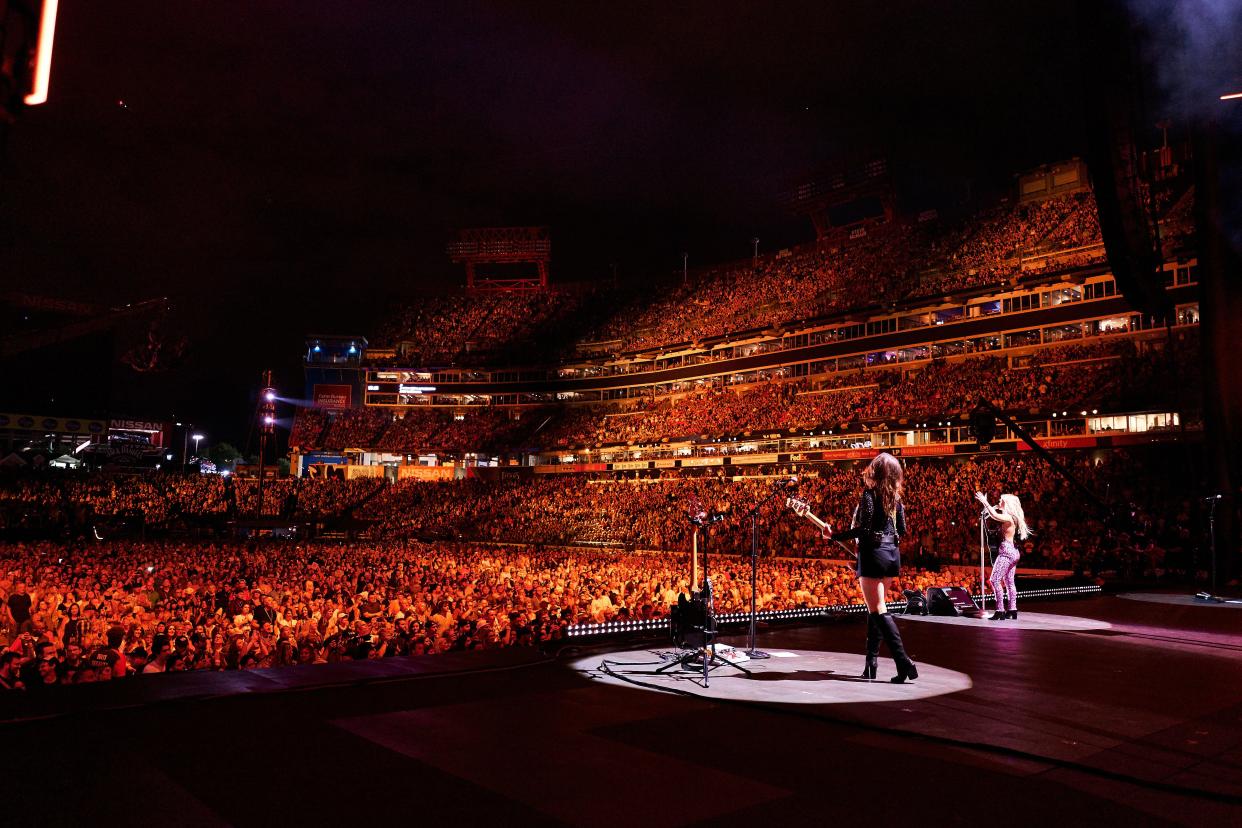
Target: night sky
(279, 168)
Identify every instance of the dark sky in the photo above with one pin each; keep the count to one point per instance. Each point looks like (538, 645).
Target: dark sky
(285, 167)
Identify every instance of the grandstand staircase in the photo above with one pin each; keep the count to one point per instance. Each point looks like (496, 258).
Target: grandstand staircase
(362, 501)
(321, 436)
(473, 333)
(1043, 245)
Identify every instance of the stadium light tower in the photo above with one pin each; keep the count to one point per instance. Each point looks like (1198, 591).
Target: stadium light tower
(685, 269)
(754, 256)
(267, 427)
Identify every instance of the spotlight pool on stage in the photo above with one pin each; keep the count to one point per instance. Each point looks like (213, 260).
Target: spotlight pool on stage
(789, 677)
(1025, 621)
(1179, 599)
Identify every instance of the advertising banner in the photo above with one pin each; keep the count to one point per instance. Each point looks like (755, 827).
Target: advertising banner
(570, 468)
(928, 450)
(851, 454)
(1054, 443)
(428, 473)
(154, 432)
(702, 461)
(58, 425)
(740, 459)
(333, 396)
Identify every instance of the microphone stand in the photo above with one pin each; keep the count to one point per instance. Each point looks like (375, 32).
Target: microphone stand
(753, 514)
(983, 547)
(705, 658)
(1212, 538)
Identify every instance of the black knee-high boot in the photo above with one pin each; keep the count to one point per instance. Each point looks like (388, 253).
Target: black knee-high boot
(892, 639)
(873, 647)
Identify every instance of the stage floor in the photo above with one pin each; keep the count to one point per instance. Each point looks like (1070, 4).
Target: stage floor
(787, 677)
(1137, 722)
(1046, 621)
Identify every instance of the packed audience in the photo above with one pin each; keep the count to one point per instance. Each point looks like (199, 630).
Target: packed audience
(415, 430)
(304, 497)
(473, 564)
(651, 512)
(1070, 375)
(469, 329)
(884, 264)
(170, 501)
(106, 611)
(888, 263)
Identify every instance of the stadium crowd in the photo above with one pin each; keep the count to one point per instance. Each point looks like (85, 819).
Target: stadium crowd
(471, 329)
(885, 263)
(650, 512)
(104, 611)
(435, 578)
(167, 501)
(1072, 375)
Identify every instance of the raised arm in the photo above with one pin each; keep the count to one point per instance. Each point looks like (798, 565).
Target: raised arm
(993, 513)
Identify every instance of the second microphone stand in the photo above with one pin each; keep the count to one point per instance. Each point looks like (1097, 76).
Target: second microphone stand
(706, 657)
(780, 489)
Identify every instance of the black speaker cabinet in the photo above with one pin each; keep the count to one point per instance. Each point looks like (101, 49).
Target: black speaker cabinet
(952, 600)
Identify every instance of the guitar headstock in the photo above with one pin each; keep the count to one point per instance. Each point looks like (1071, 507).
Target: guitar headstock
(695, 510)
(799, 506)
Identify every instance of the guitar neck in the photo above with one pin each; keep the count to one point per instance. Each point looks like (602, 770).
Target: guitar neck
(805, 511)
(815, 520)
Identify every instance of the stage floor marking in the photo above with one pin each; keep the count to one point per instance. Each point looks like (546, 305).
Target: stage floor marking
(808, 677)
(1179, 600)
(1025, 621)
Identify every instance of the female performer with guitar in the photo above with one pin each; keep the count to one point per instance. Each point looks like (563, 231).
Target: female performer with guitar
(879, 522)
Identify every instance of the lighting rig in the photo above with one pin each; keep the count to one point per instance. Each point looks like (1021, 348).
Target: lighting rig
(267, 428)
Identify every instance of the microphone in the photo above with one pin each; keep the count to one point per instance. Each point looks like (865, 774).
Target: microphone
(1213, 497)
(790, 483)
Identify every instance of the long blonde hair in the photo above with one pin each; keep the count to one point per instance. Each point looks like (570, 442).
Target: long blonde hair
(1011, 506)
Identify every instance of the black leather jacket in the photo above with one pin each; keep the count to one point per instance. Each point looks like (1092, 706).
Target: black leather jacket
(871, 523)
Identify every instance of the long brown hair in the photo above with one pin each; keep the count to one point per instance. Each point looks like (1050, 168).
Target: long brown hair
(884, 475)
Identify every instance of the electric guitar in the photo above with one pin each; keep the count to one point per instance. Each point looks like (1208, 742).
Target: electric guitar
(803, 509)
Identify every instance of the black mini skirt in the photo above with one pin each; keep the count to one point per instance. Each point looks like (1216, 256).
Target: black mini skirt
(882, 560)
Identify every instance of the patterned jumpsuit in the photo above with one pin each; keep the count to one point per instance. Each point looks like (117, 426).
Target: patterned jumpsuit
(1004, 571)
